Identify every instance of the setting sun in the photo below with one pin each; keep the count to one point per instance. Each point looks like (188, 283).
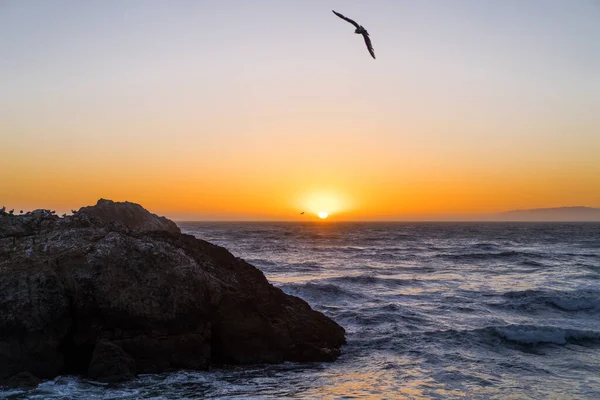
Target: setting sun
(324, 202)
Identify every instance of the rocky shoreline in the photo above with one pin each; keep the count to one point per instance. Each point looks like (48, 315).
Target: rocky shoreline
(113, 291)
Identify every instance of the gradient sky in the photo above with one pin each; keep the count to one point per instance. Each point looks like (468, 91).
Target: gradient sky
(261, 109)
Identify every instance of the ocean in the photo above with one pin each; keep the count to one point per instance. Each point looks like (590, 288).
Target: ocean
(431, 310)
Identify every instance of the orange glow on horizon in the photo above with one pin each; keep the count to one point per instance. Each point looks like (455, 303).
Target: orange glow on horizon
(278, 187)
(188, 197)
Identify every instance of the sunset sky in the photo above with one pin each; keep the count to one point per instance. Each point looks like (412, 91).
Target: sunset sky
(258, 110)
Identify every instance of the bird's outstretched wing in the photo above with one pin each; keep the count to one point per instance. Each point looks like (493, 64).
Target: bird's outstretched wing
(369, 45)
(346, 19)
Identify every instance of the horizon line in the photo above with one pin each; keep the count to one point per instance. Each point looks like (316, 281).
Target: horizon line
(316, 221)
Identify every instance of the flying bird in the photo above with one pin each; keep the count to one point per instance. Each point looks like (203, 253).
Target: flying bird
(359, 30)
(302, 213)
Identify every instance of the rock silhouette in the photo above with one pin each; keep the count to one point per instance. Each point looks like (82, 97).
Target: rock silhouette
(115, 290)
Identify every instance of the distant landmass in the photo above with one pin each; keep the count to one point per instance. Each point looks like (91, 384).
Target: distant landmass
(574, 214)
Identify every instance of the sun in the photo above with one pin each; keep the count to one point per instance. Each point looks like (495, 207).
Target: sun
(323, 214)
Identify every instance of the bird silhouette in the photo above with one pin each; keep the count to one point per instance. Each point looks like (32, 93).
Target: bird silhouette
(361, 31)
(302, 213)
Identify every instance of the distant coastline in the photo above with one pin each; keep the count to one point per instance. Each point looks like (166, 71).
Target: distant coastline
(558, 214)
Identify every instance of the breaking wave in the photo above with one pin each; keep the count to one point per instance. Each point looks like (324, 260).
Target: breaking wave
(584, 300)
(531, 334)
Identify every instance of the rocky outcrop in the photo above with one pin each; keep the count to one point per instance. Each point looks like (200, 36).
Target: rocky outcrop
(92, 294)
(131, 215)
(22, 380)
(110, 363)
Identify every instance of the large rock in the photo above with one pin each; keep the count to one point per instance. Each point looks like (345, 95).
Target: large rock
(22, 380)
(110, 363)
(168, 300)
(131, 215)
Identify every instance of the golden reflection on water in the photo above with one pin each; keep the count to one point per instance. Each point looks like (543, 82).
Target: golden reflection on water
(382, 385)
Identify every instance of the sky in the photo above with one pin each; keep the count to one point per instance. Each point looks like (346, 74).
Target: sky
(261, 110)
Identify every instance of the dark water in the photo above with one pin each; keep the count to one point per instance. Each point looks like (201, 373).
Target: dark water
(431, 311)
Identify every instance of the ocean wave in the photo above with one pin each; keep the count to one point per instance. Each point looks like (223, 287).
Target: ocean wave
(521, 334)
(566, 301)
(532, 334)
(388, 320)
(261, 262)
(531, 263)
(323, 293)
(486, 246)
(477, 256)
(306, 266)
(594, 269)
(583, 255)
(373, 280)
(576, 303)
(269, 247)
(594, 276)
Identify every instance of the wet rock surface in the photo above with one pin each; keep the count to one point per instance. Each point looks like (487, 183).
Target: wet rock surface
(110, 363)
(22, 380)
